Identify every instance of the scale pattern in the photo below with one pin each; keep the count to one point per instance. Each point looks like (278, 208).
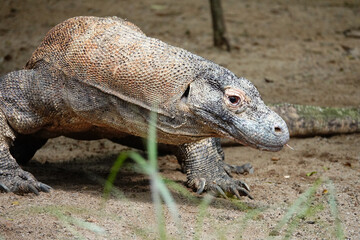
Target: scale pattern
(115, 56)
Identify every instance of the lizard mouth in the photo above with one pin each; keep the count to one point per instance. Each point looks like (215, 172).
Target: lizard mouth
(271, 139)
(257, 145)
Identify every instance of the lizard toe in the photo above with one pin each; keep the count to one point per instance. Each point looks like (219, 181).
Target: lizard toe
(236, 192)
(44, 187)
(243, 192)
(201, 185)
(242, 184)
(220, 191)
(21, 182)
(224, 186)
(4, 188)
(234, 187)
(243, 169)
(31, 188)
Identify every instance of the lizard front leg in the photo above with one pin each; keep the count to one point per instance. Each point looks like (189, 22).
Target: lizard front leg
(229, 168)
(12, 177)
(205, 169)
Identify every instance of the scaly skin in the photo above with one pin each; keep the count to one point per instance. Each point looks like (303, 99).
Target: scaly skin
(306, 121)
(204, 160)
(96, 78)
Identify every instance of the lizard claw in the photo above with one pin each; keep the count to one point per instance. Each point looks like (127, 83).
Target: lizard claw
(223, 186)
(20, 181)
(236, 188)
(236, 192)
(202, 186)
(44, 187)
(244, 192)
(4, 188)
(31, 188)
(220, 191)
(243, 184)
(243, 188)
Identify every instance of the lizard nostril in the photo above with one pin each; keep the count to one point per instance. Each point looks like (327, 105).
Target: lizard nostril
(277, 129)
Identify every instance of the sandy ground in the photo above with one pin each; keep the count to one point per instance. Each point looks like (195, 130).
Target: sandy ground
(298, 46)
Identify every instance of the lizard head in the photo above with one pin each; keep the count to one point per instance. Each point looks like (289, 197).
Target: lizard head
(232, 107)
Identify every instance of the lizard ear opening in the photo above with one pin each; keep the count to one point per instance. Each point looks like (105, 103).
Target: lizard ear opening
(185, 95)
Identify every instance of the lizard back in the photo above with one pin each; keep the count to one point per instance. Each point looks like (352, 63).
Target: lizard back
(116, 57)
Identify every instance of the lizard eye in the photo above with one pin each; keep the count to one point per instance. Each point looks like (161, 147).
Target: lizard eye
(235, 99)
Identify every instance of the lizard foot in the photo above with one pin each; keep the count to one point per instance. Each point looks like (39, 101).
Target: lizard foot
(206, 170)
(20, 181)
(224, 186)
(243, 169)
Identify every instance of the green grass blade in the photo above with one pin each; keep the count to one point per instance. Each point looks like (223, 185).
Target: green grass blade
(143, 164)
(183, 191)
(339, 232)
(155, 194)
(168, 199)
(113, 173)
(152, 141)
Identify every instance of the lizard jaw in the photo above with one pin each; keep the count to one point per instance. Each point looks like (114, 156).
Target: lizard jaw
(259, 146)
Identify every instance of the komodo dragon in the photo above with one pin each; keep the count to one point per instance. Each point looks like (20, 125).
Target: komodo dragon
(97, 78)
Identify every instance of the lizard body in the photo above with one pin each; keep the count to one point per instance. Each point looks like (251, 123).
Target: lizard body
(94, 78)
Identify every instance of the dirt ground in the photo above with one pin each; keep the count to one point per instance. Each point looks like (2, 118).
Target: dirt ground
(301, 50)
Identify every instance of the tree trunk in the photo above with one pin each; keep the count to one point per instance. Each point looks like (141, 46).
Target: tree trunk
(218, 25)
